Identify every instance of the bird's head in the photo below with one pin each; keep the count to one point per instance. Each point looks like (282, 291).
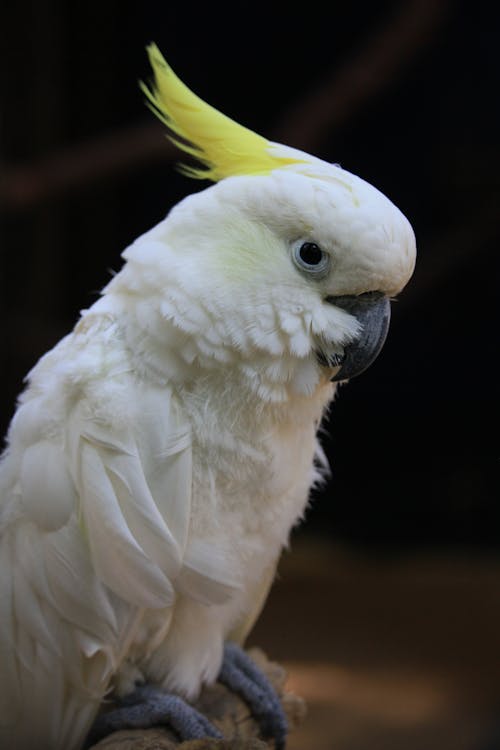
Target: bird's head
(297, 256)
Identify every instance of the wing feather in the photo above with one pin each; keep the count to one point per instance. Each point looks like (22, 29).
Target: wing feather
(117, 557)
(48, 493)
(76, 593)
(141, 512)
(30, 593)
(96, 527)
(205, 575)
(9, 698)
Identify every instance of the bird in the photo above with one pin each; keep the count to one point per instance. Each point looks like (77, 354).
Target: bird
(162, 452)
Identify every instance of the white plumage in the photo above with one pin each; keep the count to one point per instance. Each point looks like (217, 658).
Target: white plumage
(162, 452)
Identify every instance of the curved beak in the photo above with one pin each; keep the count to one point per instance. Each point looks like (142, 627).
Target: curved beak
(373, 311)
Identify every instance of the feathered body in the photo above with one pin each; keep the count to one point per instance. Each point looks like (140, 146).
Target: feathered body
(163, 450)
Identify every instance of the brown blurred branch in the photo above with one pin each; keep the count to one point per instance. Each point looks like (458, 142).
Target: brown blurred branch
(69, 168)
(474, 234)
(344, 91)
(376, 66)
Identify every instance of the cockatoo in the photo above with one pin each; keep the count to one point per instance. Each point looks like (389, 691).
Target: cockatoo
(162, 452)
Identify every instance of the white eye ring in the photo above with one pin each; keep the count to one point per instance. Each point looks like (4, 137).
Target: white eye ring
(311, 259)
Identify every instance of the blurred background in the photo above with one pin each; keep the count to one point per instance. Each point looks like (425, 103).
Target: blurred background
(387, 608)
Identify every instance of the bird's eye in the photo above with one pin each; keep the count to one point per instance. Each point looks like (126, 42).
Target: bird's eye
(309, 257)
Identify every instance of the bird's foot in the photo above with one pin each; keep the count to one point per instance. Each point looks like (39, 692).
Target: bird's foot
(148, 707)
(240, 674)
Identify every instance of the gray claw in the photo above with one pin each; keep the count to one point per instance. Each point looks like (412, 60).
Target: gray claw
(147, 707)
(243, 676)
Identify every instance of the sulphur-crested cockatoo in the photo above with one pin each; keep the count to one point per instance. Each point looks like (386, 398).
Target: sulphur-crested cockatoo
(163, 450)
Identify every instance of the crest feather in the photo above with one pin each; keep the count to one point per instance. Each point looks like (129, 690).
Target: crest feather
(221, 146)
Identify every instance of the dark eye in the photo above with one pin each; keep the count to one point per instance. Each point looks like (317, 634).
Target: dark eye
(310, 253)
(309, 257)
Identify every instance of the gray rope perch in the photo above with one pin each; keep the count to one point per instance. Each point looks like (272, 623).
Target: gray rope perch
(228, 712)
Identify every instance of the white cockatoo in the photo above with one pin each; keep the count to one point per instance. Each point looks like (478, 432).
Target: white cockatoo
(162, 452)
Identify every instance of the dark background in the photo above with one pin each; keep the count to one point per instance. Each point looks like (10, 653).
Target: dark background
(405, 94)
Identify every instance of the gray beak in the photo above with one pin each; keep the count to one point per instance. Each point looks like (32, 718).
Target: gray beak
(373, 311)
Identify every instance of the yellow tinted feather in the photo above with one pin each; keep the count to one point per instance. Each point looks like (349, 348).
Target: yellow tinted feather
(222, 146)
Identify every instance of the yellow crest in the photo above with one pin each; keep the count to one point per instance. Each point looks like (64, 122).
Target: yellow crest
(222, 146)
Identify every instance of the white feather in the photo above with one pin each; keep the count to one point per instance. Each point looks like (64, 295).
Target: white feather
(117, 557)
(48, 493)
(205, 576)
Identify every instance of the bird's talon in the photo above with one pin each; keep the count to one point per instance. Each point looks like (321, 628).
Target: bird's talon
(240, 673)
(147, 707)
